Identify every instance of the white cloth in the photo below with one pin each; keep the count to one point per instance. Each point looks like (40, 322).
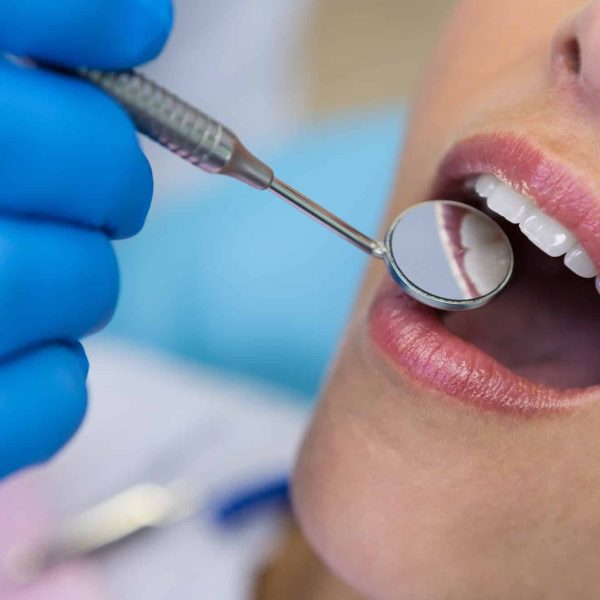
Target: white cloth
(152, 418)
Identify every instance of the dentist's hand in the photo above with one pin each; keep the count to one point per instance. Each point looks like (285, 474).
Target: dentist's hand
(72, 176)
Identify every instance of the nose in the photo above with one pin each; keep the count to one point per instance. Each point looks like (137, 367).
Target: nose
(576, 52)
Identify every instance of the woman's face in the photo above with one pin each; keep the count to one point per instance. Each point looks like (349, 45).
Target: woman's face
(457, 456)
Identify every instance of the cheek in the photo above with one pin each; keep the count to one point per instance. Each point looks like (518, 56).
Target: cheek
(493, 52)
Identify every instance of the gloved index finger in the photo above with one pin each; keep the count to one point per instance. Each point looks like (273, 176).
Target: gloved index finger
(105, 34)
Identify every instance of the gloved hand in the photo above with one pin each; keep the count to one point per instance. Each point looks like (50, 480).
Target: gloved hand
(72, 176)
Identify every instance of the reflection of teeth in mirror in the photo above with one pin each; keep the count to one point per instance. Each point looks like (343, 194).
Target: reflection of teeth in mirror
(486, 256)
(449, 226)
(598, 284)
(546, 233)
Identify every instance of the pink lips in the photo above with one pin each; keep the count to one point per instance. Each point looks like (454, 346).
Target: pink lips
(413, 336)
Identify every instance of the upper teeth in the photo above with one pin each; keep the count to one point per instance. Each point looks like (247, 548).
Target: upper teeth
(545, 232)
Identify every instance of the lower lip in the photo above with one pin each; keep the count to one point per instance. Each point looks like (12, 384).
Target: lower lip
(418, 344)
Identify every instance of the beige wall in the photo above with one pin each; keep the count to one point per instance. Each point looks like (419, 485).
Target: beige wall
(366, 51)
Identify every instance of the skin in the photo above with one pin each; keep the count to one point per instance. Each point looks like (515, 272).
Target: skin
(406, 493)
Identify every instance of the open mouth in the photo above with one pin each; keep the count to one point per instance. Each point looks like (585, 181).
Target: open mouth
(546, 325)
(536, 345)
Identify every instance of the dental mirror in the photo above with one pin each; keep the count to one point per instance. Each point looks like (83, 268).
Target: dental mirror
(445, 254)
(448, 255)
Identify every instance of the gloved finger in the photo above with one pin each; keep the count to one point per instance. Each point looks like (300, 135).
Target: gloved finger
(56, 282)
(42, 403)
(69, 153)
(107, 34)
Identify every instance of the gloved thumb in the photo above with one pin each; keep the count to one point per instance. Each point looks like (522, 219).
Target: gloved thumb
(105, 34)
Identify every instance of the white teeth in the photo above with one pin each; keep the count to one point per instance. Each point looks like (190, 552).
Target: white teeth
(485, 185)
(511, 205)
(580, 263)
(545, 232)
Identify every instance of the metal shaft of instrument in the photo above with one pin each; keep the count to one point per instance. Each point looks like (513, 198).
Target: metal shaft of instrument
(323, 216)
(206, 143)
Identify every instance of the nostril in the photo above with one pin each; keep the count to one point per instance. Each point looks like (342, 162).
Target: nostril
(572, 55)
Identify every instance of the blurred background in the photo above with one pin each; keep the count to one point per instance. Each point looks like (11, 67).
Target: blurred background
(296, 61)
(232, 303)
(360, 53)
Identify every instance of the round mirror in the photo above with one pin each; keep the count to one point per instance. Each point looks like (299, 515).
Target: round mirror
(449, 255)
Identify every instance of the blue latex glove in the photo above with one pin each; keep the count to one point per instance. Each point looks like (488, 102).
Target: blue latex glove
(72, 176)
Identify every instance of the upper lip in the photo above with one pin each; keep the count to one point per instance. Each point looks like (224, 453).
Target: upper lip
(559, 190)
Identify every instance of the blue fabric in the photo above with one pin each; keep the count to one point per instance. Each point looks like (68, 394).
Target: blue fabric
(72, 176)
(237, 279)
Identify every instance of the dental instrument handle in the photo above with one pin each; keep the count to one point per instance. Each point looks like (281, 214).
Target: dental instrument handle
(178, 126)
(206, 143)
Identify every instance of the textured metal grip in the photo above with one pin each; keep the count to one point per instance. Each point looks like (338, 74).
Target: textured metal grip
(180, 127)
